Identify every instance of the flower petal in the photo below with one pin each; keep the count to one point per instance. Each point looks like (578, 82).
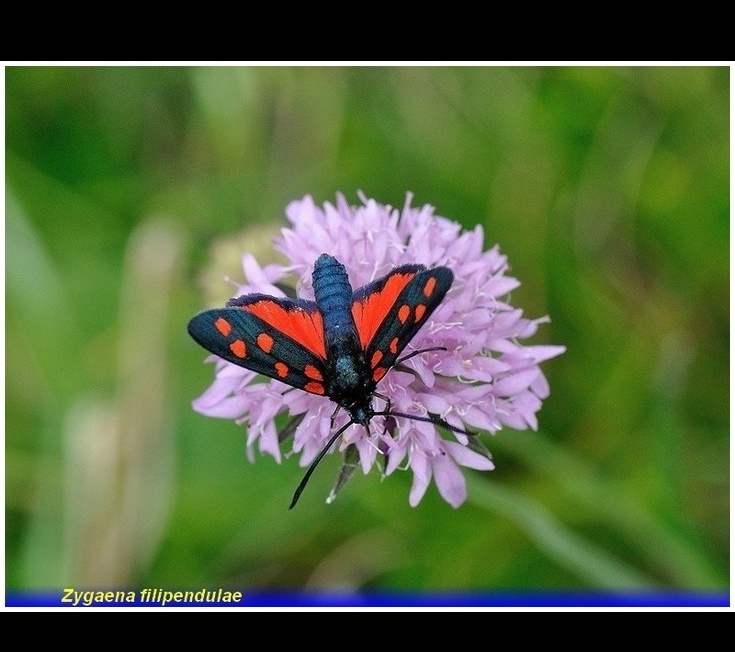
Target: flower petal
(421, 478)
(516, 383)
(449, 480)
(466, 457)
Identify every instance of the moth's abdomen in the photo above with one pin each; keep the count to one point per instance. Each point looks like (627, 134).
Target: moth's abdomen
(333, 294)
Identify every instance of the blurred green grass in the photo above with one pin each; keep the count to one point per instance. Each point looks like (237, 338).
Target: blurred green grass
(608, 188)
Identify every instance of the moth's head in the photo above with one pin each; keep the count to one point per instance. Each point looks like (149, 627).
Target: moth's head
(362, 412)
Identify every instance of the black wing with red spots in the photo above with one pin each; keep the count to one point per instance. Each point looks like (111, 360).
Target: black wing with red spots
(390, 312)
(279, 338)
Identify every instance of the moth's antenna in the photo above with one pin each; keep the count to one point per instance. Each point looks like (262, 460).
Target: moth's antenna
(317, 459)
(432, 418)
(419, 351)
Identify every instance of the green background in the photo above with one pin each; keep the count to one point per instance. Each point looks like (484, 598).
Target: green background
(132, 191)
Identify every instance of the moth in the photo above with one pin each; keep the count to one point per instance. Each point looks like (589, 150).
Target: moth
(338, 346)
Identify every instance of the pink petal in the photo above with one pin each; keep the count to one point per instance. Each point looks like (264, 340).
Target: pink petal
(449, 480)
(421, 478)
(466, 457)
(516, 383)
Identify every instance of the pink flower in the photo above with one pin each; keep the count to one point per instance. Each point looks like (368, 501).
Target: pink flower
(482, 378)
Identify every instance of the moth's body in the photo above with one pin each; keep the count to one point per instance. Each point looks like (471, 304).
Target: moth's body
(349, 377)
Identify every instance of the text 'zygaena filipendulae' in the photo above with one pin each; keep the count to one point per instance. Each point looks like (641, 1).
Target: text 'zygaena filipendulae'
(399, 338)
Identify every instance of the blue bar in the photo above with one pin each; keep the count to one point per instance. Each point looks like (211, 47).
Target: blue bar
(240, 597)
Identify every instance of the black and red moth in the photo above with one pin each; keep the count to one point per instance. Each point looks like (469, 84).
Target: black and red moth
(339, 346)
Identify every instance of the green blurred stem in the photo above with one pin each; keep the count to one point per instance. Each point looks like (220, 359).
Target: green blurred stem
(668, 550)
(588, 561)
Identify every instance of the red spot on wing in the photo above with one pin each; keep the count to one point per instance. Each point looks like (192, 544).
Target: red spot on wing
(403, 312)
(376, 358)
(420, 310)
(223, 326)
(304, 326)
(429, 287)
(281, 369)
(265, 342)
(378, 373)
(314, 387)
(370, 311)
(238, 348)
(393, 346)
(310, 371)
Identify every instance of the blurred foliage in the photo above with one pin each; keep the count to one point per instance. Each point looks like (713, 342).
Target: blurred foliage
(132, 191)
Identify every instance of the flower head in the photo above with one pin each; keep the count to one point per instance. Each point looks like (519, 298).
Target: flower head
(472, 374)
